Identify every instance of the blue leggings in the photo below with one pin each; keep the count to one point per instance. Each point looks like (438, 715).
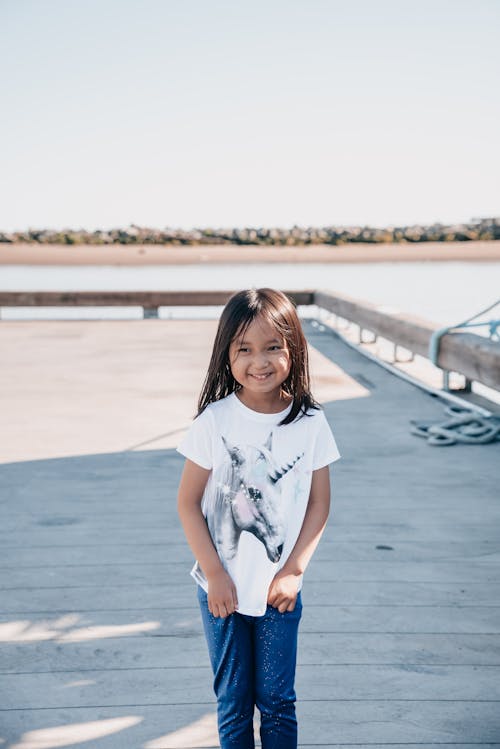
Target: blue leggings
(253, 660)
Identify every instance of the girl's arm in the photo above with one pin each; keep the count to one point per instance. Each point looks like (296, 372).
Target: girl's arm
(283, 589)
(222, 599)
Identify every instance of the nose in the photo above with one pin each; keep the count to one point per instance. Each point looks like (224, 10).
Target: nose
(279, 549)
(261, 360)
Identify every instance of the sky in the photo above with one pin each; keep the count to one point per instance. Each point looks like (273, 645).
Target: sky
(207, 113)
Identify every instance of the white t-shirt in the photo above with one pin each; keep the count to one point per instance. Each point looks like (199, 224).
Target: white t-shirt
(258, 489)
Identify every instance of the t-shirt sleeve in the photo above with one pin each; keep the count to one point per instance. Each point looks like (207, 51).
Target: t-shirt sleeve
(198, 440)
(325, 447)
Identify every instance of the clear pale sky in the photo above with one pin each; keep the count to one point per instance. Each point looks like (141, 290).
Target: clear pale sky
(198, 113)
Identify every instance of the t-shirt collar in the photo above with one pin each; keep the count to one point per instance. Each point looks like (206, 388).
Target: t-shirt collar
(257, 415)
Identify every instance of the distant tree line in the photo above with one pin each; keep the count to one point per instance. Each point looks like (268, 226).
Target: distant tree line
(477, 229)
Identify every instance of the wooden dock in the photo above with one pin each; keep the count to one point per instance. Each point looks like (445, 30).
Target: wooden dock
(100, 636)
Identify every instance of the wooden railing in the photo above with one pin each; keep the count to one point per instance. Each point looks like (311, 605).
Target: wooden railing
(475, 357)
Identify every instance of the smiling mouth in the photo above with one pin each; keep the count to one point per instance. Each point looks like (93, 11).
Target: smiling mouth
(262, 376)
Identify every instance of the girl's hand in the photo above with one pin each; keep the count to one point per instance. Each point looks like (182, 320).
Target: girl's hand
(282, 594)
(222, 597)
(283, 590)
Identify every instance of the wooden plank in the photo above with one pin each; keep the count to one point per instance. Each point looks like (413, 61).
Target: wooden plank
(191, 683)
(127, 298)
(342, 724)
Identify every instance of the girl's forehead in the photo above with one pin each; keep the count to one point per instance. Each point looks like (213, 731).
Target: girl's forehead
(259, 328)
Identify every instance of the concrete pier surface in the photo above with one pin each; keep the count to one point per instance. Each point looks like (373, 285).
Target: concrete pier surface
(101, 642)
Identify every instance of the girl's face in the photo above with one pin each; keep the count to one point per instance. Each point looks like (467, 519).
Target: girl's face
(260, 361)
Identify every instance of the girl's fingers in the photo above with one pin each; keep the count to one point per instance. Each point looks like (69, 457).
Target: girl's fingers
(271, 599)
(217, 611)
(285, 604)
(225, 604)
(224, 608)
(280, 603)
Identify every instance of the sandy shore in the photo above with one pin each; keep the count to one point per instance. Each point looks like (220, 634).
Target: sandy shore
(25, 254)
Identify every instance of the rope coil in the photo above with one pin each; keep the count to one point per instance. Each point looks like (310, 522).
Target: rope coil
(464, 426)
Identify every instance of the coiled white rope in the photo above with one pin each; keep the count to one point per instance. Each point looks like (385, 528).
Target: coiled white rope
(464, 426)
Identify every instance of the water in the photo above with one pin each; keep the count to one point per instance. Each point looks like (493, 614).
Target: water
(445, 293)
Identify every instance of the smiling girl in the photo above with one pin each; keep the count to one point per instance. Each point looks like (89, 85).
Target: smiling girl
(253, 499)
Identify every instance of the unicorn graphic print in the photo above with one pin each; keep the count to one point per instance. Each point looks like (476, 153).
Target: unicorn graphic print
(247, 496)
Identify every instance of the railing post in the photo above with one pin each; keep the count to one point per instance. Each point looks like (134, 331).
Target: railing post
(396, 359)
(363, 340)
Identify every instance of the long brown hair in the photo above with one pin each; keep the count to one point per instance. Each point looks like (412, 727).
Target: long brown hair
(279, 310)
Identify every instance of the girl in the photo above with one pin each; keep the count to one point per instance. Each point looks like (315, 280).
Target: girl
(253, 500)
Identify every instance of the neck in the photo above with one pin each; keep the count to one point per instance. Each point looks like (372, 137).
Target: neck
(267, 403)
